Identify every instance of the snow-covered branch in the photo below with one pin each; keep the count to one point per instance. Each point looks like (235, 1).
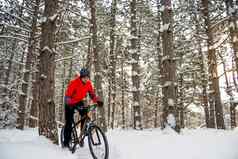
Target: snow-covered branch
(12, 37)
(73, 41)
(65, 58)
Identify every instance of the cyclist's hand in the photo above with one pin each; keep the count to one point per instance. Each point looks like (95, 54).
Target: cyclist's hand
(100, 103)
(67, 100)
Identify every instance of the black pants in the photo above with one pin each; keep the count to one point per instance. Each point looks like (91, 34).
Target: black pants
(69, 120)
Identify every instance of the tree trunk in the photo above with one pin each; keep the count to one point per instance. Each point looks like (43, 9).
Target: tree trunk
(170, 113)
(159, 57)
(109, 103)
(181, 100)
(34, 111)
(233, 115)
(47, 123)
(233, 28)
(112, 54)
(204, 101)
(137, 124)
(212, 69)
(156, 109)
(9, 68)
(123, 93)
(28, 67)
(97, 65)
(89, 53)
(234, 75)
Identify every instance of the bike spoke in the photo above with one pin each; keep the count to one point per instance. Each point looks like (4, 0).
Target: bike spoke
(98, 144)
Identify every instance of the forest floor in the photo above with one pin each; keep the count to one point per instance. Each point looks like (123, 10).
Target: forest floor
(128, 144)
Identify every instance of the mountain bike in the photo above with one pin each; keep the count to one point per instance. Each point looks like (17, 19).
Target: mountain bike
(97, 140)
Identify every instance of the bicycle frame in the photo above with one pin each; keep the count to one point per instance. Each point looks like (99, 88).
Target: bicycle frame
(88, 123)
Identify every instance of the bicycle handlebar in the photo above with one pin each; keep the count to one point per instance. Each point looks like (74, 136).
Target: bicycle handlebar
(89, 107)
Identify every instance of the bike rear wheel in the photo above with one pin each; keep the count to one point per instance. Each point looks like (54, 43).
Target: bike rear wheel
(73, 140)
(98, 143)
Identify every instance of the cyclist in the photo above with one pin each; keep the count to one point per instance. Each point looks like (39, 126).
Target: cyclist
(75, 95)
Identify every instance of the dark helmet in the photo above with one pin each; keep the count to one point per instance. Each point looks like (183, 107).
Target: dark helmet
(84, 72)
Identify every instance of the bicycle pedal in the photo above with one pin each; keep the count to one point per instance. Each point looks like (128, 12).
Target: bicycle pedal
(81, 144)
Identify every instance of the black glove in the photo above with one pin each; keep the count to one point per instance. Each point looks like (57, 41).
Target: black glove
(100, 103)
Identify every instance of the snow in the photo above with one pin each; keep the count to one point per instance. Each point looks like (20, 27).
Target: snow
(195, 108)
(164, 27)
(134, 89)
(132, 61)
(235, 39)
(53, 17)
(170, 102)
(171, 120)
(134, 73)
(128, 144)
(164, 58)
(162, 8)
(43, 20)
(167, 84)
(43, 76)
(46, 48)
(231, 10)
(136, 104)
(130, 37)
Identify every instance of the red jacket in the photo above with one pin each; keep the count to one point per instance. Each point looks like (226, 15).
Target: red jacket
(77, 91)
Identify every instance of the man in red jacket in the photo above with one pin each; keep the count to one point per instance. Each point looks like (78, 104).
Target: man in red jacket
(76, 92)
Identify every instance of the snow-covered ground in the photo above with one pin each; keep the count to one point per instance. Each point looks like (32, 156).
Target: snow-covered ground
(129, 144)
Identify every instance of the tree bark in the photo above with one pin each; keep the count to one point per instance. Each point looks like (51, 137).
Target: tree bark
(170, 113)
(181, 100)
(233, 115)
(137, 124)
(233, 28)
(214, 93)
(9, 68)
(204, 100)
(34, 111)
(97, 65)
(112, 57)
(28, 67)
(159, 62)
(123, 93)
(47, 123)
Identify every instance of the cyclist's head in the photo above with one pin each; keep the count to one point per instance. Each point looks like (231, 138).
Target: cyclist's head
(84, 74)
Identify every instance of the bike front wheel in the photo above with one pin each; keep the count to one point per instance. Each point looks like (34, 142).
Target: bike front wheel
(98, 143)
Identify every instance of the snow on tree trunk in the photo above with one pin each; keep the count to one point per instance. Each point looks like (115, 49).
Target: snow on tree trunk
(168, 68)
(47, 123)
(137, 124)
